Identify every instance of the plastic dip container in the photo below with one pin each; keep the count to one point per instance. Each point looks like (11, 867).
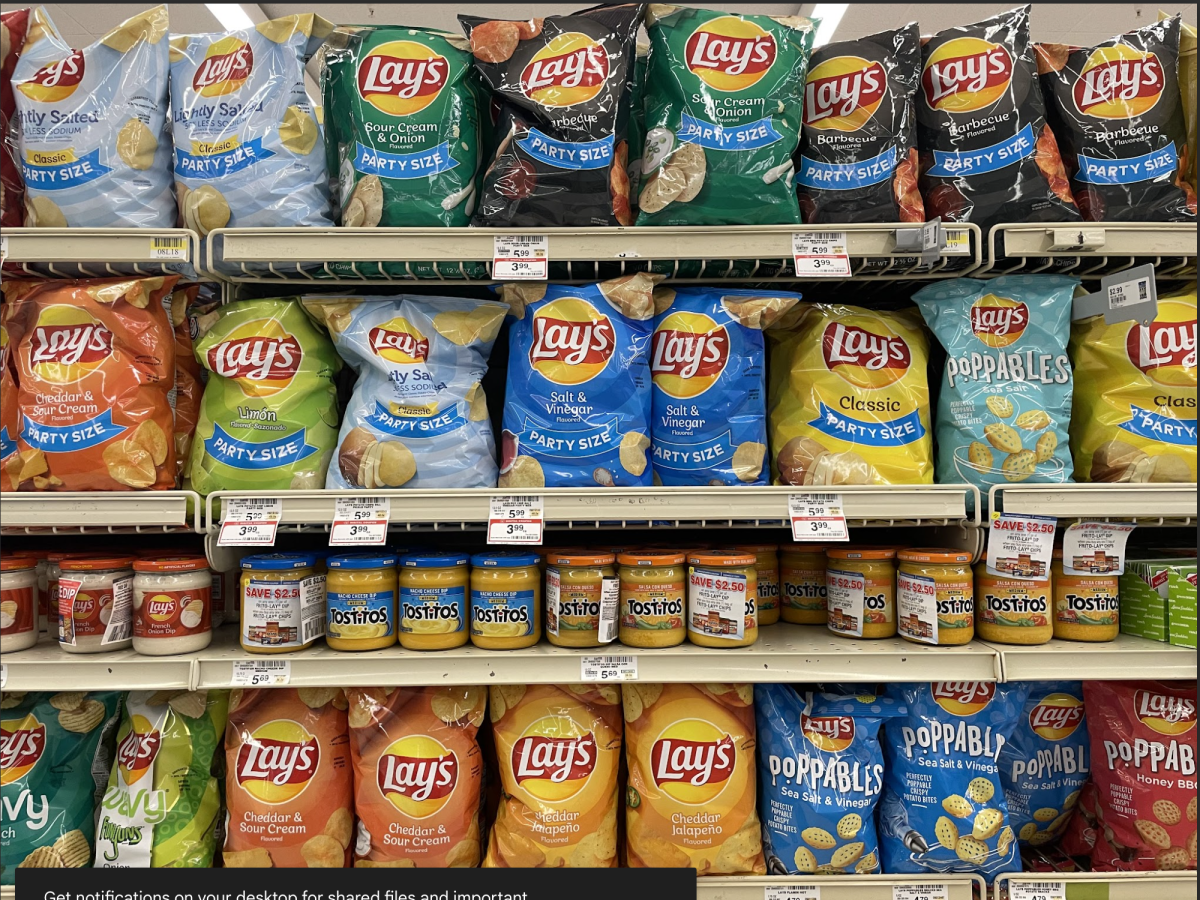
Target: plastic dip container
(95, 604)
(433, 600)
(802, 585)
(1012, 610)
(860, 585)
(360, 600)
(935, 595)
(18, 603)
(582, 596)
(1086, 607)
(766, 568)
(283, 602)
(172, 605)
(506, 600)
(722, 598)
(652, 598)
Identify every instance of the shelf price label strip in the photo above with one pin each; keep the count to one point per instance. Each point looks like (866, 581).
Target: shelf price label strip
(360, 521)
(818, 517)
(820, 254)
(261, 673)
(250, 522)
(515, 520)
(520, 257)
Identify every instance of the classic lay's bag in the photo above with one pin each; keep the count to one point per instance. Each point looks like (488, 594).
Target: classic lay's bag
(163, 800)
(287, 763)
(247, 145)
(706, 362)
(1135, 396)
(943, 809)
(1005, 401)
(858, 146)
(849, 398)
(13, 25)
(49, 746)
(269, 415)
(418, 417)
(577, 408)
(722, 109)
(95, 144)
(559, 751)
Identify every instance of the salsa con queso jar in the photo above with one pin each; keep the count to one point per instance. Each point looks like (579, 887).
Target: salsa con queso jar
(360, 600)
(766, 568)
(802, 585)
(1086, 607)
(506, 600)
(582, 596)
(1012, 610)
(860, 589)
(722, 598)
(935, 596)
(283, 602)
(652, 598)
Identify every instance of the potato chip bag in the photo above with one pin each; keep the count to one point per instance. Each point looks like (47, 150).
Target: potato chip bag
(418, 417)
(418, 775)
(92, 129)
(289, 783)
(164, 797)
(849, 398)
(1135, 396)
(189, 381)
(95, 362)
(9, 418)
(50, 745)
(691, 795)
(1187, 90)
(13, 25)
(559, 751)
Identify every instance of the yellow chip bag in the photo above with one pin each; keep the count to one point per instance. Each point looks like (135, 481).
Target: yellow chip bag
(1135, 396)
(691, 795)
(849, 398)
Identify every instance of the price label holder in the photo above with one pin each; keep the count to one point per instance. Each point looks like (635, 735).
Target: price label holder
(3, 248)
(359, 521)
(817, 517)
(1095, 548)
(1037, 890)
(3, 675)
(1021, 546)
(599, 669)
(1127, 296)
(820, 254)
(520, 257)
(792, 892)
(920, 892)
(171, 249)
(925, 240)
(261, 673)
(250, 522)
(515, 520)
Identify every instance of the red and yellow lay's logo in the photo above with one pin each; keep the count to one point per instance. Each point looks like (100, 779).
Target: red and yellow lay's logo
(67, 344)
(572, 341)
(1165, 350)
(866, 359)
(260, 356)
(1056, 717)
(1118, 83)
(56, 81)
(830, 733)
(692, 760)
(1165, 713)
(554, 758)
(225, 67)
(843, 93)
(137, 749)
(966, 74)
(688, 354)
(998, 321)
(572, 68)
(22, 742)
(963, 698)
(278, 761)
(399, 341)
(400, 78)
(417, 774)
(160, 607)
(730, 53)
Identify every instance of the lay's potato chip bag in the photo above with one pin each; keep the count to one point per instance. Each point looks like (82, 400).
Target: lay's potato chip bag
(849, 398)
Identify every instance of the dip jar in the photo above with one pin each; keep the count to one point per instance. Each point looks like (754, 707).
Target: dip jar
(582, 596)
(283, 602)
(433, 600)
(722, 598)
(802, 585)
(1086, 607)
(935, 596)
(766, 568)
(360, 600)
(860, 585)
(172, 605)
(506, 600)
(95, 604)
(652, 598)
(1012, 610)
(18, 603)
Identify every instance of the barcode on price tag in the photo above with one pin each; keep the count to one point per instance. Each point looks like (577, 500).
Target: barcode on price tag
(958, 243)
(261, 673)
(920, 892)
(792, 892)
(820, 254)
(596, 669)
(1037, 890)
(171, 248)
(818, 517)
(360, 520)
(517, 257)
(515, 520)
(250, 522)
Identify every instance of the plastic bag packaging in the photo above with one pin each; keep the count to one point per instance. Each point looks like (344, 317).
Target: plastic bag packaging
(13, 25)
(1187, 90)
(189, 383)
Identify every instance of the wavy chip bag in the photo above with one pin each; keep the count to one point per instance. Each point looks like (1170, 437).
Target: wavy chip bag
(559, 752)
(849, 398)
(1135, 396)
(50, 747)
(418, 775)
(95, 143)
(418, 417)
(691, 794)
(163, 800)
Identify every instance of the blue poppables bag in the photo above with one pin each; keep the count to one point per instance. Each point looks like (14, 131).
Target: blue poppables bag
(708, 366)
(820, 776)
(943, 809)
(1045, 763)
(577, 408)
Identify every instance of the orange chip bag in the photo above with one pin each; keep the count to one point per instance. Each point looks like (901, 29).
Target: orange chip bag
(559, 749)
(189, 377)
(418, 773)
(95, 363)
(8, 409)
(691, 795)
(288, 782)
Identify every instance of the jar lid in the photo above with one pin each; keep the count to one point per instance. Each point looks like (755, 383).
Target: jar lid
(432, 559)
(734, 556)
(759, 548)
(652, 558)
(59, 557)
(934, 555)
(861, 553)
(96, 563)
(504, 559)
(278, 561)
(16, 563)
(580, 558)
(365, 560)
(171, 564)
(806, 549)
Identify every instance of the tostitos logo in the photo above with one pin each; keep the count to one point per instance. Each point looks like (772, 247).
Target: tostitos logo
(998, 321)
(137, 749)
(56, 81)
(260, 356)
(417, 774)
(692, 760)
(1056, 717)
(843, 93)
(966, 74)
(554, 758)
(398, 341)
(1165, 350)
(730, 53)
(866, 359)
(572, 341)
(67, 344)
(830, 733)
(1119, 83)
(1164, 713)
(688, 354)
(277, 761)
(572, 68)
(226, 65)
(400, 78)
(963, 698)
(22, 742)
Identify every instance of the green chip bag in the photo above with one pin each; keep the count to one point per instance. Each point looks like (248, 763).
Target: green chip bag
(722, 102)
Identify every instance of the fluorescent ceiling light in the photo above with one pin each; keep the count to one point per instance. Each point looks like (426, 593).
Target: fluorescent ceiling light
(230, 15)
(830, 16)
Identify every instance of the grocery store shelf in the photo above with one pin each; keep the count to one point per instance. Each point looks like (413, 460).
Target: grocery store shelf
(97, 252)
(1145, 504)
(838, 887)
(1110, 885)
(45, 667)
(1126, 657)
(99, 512)
(1092, 249)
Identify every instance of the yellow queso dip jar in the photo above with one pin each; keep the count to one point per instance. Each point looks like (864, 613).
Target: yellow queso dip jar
(360, 597)
(802, 585)
(766, 567)
(860, 587)
(652, 598)
(506, 600)
(433, 600)
(582, 596)
(283, 602)
(722, 598)
(935, 596)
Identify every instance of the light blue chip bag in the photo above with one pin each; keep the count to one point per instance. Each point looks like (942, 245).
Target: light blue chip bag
(1005, 401)
(943, 808)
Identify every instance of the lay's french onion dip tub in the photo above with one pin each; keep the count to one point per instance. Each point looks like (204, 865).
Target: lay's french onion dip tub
(722, 598)
(652, 598)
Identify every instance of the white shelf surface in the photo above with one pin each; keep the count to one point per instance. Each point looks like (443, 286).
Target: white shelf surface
(1092, 249)
(1127, 657)
(99, 512)
(1145, 504)
(45, 667)
(837, 887)
(94, 252)
(1110, 885)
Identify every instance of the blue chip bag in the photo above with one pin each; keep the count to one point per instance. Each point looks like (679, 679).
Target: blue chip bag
(707, 363)
(577, 408)
(943, 809)
(1005, 401)
(821, 773)
(1045, 763)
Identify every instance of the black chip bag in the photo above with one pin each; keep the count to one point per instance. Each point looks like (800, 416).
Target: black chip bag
(987, 154)
(1117, 112)
(858, 144)
(561, 148)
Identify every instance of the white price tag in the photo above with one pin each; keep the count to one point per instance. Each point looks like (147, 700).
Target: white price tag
(792, 892)
(1129, 293)
(1021, 546)
(817, 517)
(598, 669)
(169, 248)
(3, 675)
(520, 257)
(920, 892)
(1037, 890)
(515, 520)
(261, 673)
(958, 243)
(360, 520)
(820, 254)
(250, 522)
(1095, 548)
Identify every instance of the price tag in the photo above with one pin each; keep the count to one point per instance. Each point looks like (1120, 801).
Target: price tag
(1095, 548)
(598, 669)
(958, 243)
(169, 248)
(3, 249)
(515, 520)
(3, 675)
(1021, 546)
(792, 892)
(920, 892)
(360, 520)
(250, 522)
(1037, 890)
(261, 673)
(820, 254)
(817, 517)
(520, 257)
(1130, 293)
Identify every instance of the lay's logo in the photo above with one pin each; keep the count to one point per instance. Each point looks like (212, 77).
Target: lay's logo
(225, 67)
(572, 68)
(572, 341)
(963, 698)
(689, 352)
(260, 356)
(998, 321)
(830, 733)
(730, 53)
(843, 93)
(399, 342)
(137, 750)
(1164, 713)
(1056, 717)
(417, 774)
(400, 78)
(1119, 83)
(56, 81)
(865, 358)
(692, 761)
(553, 768)
(22, 742)
(966, 74)
(277, 761)
(90, 342)
(1164, 351)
